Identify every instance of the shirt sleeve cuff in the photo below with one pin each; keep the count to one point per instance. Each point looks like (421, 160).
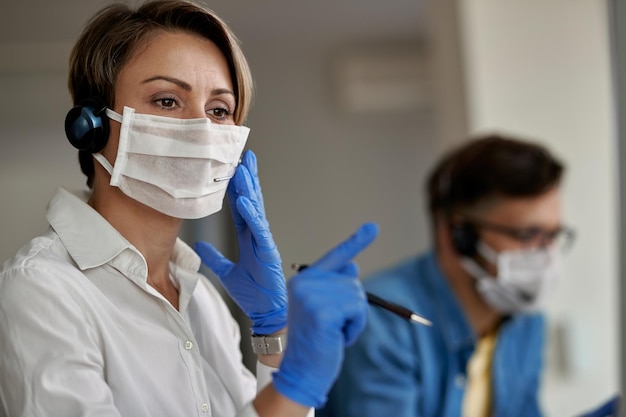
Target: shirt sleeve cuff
(263, 375)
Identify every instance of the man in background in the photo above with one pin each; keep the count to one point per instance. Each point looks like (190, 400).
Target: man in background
(495, 207)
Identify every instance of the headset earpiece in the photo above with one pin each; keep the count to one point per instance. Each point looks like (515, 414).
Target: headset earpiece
(464, 238)
(463, 234)
(87, 126)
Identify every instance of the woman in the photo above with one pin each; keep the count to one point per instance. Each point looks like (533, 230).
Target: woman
(106, 313)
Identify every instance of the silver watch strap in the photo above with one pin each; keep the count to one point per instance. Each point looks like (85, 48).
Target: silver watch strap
(269, 345)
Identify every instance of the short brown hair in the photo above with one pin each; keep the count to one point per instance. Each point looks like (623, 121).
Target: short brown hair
(490, 166)
(112, 36)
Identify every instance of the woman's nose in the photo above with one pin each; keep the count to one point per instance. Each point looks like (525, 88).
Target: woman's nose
(195, 112)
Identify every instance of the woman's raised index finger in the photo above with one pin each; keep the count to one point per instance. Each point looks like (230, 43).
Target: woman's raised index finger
(343, 253)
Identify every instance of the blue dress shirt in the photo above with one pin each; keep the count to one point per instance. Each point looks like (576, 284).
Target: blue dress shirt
(399, 368)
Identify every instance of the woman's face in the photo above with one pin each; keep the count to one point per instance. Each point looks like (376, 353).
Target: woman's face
(174, 74)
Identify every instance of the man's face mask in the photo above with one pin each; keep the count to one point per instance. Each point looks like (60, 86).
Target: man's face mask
(524, 281)
(180, 167)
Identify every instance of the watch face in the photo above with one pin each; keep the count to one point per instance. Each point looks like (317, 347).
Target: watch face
(269, 345)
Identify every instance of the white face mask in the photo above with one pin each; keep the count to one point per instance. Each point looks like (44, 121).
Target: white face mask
(179, 167)
(525, 278)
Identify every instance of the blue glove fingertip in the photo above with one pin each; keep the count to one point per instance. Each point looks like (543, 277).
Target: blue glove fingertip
(250, 161)
(367, 232)
(200, 247)
(212, 258)
(349, 248)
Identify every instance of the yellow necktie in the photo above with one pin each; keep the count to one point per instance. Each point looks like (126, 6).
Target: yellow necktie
(477, 398)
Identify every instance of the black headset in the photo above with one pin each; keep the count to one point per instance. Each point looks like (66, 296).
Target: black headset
(464, 235)
(464, 238)
(87, 125)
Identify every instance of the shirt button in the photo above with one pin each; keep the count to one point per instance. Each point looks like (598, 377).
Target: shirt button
(459, 380)
(188, 345)
(204, 407)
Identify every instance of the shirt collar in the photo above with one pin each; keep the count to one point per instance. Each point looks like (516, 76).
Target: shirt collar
(185, 257)
(456, 330)
(71, 217)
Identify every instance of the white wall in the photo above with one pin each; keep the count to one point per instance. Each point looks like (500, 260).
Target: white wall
(325, 171)
(35, 157)
(541, 68)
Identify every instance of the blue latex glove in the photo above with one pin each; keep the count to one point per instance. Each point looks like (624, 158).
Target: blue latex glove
(327, 311)
(256, 282)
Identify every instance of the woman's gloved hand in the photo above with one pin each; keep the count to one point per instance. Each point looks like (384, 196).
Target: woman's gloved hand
(256, 282)
(327, 311)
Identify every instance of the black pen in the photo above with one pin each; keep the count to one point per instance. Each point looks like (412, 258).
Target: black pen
(387, 305)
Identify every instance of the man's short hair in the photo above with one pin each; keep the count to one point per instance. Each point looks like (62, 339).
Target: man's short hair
(491, 166)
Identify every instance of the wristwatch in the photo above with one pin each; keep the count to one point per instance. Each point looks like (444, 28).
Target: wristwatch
(269, 345)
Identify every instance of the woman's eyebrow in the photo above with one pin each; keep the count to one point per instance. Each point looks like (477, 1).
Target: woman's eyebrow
(218, 91)
(185, 86)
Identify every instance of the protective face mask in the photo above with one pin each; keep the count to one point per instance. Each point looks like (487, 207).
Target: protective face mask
(525, 280)
(180, 167)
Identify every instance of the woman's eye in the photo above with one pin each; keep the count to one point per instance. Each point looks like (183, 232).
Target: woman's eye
(166, 102)
(219, 113)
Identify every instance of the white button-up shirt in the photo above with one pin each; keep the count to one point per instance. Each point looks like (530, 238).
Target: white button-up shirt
(83, 334)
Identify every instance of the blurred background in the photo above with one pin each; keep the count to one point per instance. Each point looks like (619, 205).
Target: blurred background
(355, 101)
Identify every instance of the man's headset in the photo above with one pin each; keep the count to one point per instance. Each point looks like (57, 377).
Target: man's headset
(464, 234)
(464, 238)
(87, 126)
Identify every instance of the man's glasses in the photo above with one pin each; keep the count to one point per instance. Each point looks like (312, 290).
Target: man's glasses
(562, 237)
